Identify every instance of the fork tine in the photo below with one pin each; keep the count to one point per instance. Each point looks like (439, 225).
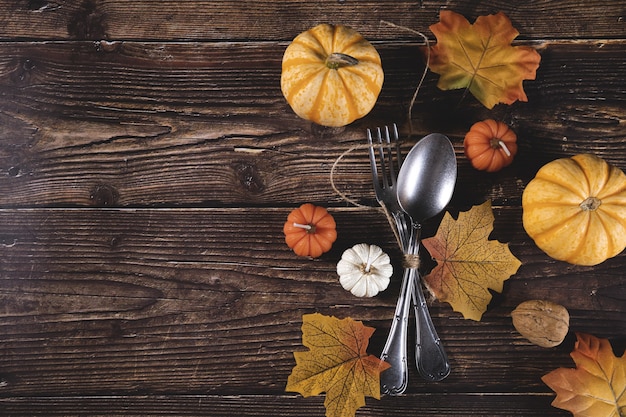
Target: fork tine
(373, 165)
(396, 139)
(381, 150)
(389, 139)
(392, 171)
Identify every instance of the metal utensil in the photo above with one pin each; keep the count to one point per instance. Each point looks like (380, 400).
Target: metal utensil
(425, 185)
(385, 184)
(394, 380)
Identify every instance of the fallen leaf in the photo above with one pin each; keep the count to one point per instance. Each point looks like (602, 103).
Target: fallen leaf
(336, 363)
(597, 387)
(468, 264)
(480, 58)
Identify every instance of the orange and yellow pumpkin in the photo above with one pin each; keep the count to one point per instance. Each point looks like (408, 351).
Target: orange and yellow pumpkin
(331, 75)
(575, 209)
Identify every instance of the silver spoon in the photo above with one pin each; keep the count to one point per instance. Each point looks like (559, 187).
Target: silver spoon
(425, 185)
(426, 182)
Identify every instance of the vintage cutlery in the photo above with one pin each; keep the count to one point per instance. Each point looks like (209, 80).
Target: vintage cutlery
(425, 185)
(395, 379)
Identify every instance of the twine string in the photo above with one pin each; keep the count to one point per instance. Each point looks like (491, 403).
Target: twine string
(409, 260)
(421, 81)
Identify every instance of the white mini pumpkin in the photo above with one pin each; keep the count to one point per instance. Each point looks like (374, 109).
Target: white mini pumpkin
(364, 270)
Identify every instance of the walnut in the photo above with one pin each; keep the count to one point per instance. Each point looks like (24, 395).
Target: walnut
(543, 323)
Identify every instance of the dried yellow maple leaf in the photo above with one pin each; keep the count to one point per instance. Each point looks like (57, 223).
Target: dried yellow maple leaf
(336, 363)
(468, 264)
(480, 58)
(597, 387)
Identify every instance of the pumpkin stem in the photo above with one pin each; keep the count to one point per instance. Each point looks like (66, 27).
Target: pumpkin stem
(590, 204)
(368, 265)
(308, 227)
(497, 143)
(337, 60)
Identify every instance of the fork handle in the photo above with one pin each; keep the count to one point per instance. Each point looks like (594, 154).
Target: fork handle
(431, 358)
(394, 380)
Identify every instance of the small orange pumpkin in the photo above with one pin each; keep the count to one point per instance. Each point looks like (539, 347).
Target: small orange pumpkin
(490, 145)
(310, 230)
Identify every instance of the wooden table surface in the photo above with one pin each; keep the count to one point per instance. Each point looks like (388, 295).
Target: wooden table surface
(148, 161)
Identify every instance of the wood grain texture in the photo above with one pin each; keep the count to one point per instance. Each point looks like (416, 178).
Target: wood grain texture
(284, 19)
(136, 300)
(148, 161)
(439, 405)
(93, 127)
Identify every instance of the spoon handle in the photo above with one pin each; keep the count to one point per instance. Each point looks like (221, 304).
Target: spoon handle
(431, 358)
(394, 380)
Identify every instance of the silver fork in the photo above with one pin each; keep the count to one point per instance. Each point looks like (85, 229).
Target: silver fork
(395, 379)
(385, 186)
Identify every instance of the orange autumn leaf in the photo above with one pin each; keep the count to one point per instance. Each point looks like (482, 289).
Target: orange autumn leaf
(336, 363)
(597, 387)
(480, 58)
(468, 264)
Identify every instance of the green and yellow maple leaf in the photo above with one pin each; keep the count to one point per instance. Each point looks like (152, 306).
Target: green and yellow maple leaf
(480, 58)
(597, 387)
(336, 363)
(468, 264)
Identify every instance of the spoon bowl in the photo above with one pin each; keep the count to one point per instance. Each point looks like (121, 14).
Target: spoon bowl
(427, 178)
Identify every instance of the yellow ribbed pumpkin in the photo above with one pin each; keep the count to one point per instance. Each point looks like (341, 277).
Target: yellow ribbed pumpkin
(331, 75)
(575, 209)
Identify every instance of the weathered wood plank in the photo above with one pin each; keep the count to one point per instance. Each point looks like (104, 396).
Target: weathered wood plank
(422, 404)
(137, 124)
(145, 301)
(148, 161)
(283, 19)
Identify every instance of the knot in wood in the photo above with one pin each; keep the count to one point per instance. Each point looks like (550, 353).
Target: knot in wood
(249, 177)
(104, 195)
(88, 22)
(24, 71)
